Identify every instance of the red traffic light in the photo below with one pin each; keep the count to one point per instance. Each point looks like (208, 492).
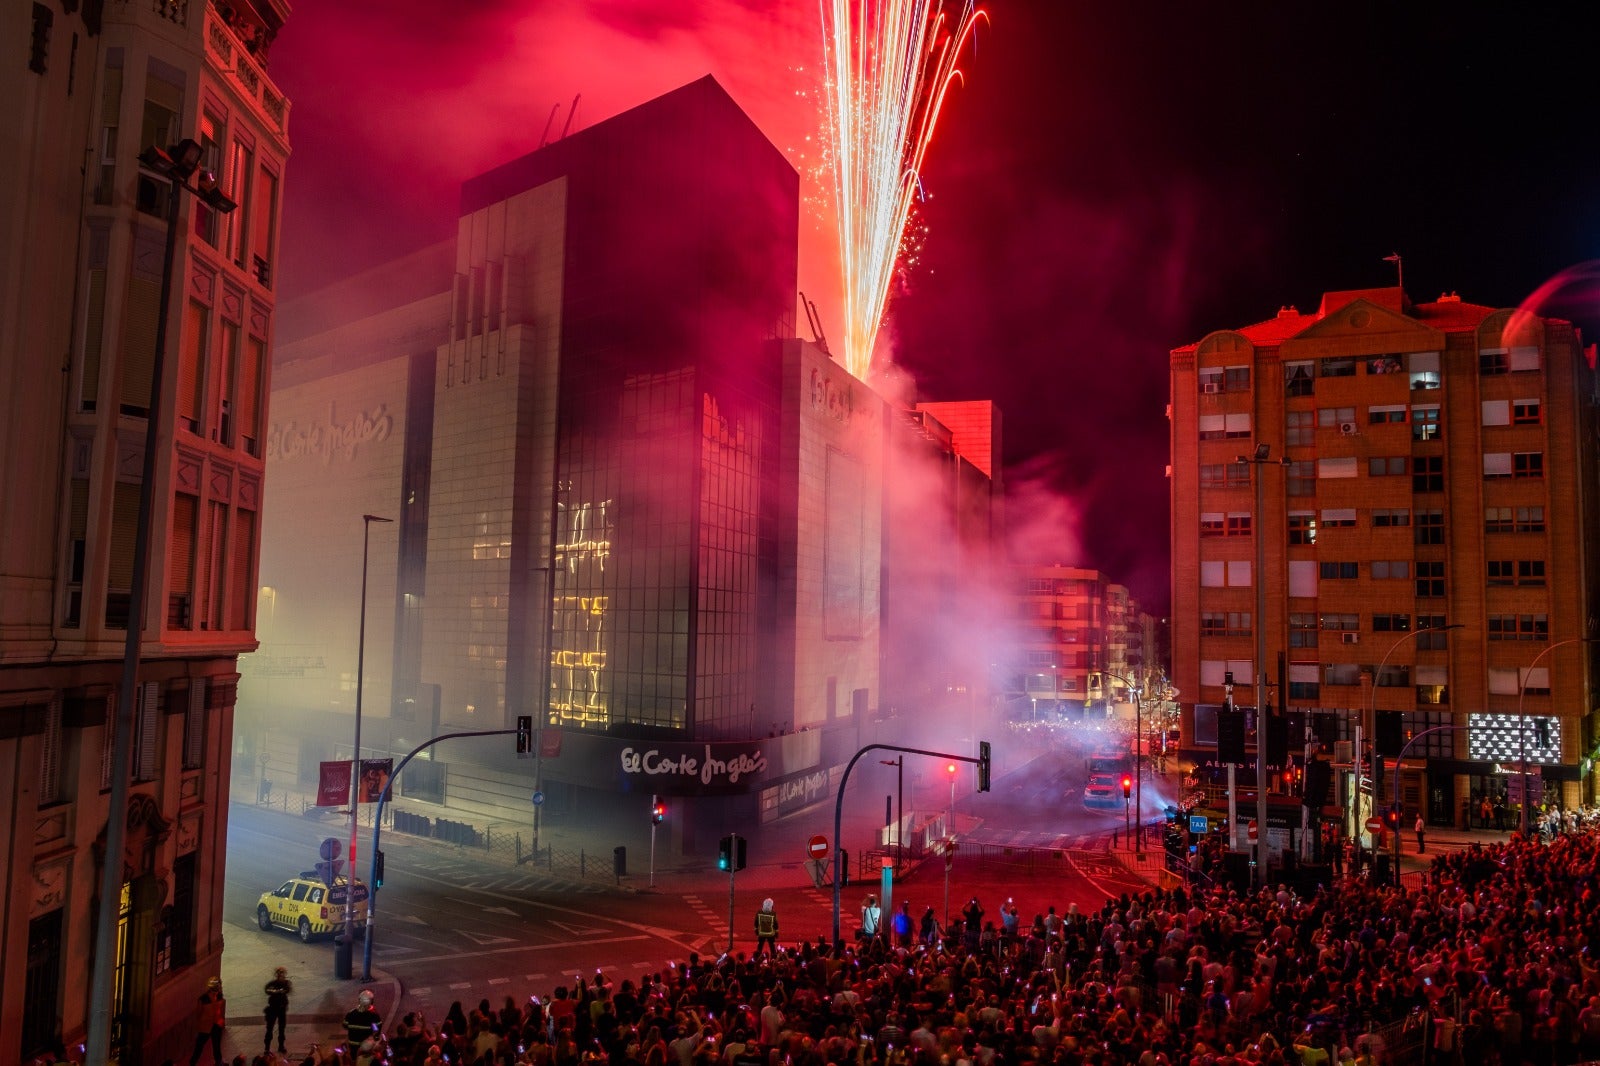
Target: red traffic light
(951, 769)
(1127, 786)
(658, 811)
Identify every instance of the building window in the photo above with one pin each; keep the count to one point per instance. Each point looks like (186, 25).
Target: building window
(1340, 466)
(1341, 674)
(1432, 636)
(1300, 479)
(194, 726)
(1424, 370)
(1303, 684)
(50, 754)
(1526, 413)
(1430, 578)
(1496, 412)
(1339, 623)
(1492, 361)
(41, 983)
(1391, 569)
(1391, 623)
(147, 732)
(1225, 623)
(1302, 527)
(1238, 573)
(1425, 424)
(1209, 379)
(1302, 630)
(1427, 473)
(1338, 517)
(1386, 466)
(1524, 358)
(1527, 464)
(1390, 517)
(1212, 474)
(1334, 417)
(1212, 524)
(1386, 413)
(1518, 627)
(1213, 574)
(1300, 428)
(1496, 465)
(1238, 523)
(1337, 368)
(1430, 527)
(1303, 578)
(1338, 571)
(1297, 379)
(1530, 572)
(1041, 585)
(1498, 520)
(177, 933)
(1236, 379)
(1385, 364)
(1530, 519)
(1499, 572)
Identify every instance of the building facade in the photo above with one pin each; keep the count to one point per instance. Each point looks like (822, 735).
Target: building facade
(628, 503)
(83, 250)
(1084, 644)
(1426, 543)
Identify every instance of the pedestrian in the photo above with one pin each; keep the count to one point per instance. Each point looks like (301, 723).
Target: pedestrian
(870, 915)
(1008, 921)
(1485, 811)
(767, 927)
(210, 1018)
(928, 929)
(361, 1022)
(1421, 827)
(278, 991)
(903, 925)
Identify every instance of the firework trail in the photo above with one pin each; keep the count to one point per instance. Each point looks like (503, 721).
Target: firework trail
(889, 64)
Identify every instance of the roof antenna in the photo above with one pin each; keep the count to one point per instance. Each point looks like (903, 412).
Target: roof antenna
(572, 113)
(544, 138)
(814, 320)
(1399, 272)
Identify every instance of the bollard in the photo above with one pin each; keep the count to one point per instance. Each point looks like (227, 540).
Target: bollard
(619, 861)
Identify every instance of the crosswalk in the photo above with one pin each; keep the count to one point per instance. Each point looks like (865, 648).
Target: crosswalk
(477, 876)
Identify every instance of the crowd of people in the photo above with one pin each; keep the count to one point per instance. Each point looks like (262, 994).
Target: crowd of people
(1489, 960)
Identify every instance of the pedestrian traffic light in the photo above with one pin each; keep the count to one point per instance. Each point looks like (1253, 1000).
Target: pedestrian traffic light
(725, 853)
(377, 869)
(1127, 785)
(983, 766)
(524, 734)
(658, 810)
(1391, 817)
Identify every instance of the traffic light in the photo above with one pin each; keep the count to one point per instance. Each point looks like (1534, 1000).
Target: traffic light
(1319, 781)
(377, 868)
(658, 810)
(844, 867)
(983, 766)
(1391, 817)
(725, 853)
(738, 852)
(1230, 737)
(524, 734)
(1127, 785)
(950, 768)
(1277, 740)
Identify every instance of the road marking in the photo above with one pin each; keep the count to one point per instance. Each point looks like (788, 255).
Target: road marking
(483, 940)
(565, 945)
(499, 980)
(580, 930)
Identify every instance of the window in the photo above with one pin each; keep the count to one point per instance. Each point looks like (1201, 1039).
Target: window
(1533, 627)
(1236, 426)
(1383, 413)
(1211, 474)
(1393, 675)
(1530, 572)
(1041, 585)
(1302, 630)
(1211, 524)
(211, 136)
(1236, 379)
(1299, 428)
(1391, 569)
(1300, 479)
(1391, 623)
(1225, 624)
(1212, 573)
(1430, 578)
(1427, 473)
(1341, 674)
(1337, 368)
(1496, 465)
(1526, 413)
(1524, 358)
(1212, 427)
(1433, 635)
(1386, 466)
(50, 754)
(1303, 684)
(1338, 517)
(1385, 364)
(1238, 573)
(1297, 380)
(1527, 464)
(1213, 672)
(1498, 520)
(1210, 379)
(1492, 361)
(1430, 527)
(194, 726)
(1303, 577)
(176, 937)
(1424, 368)
(1425, 424)
(1302, 527)
(1530, 519)
(1334, 417)
(1499, 572)
(1390, 517)
(1238, 523)
(1502, 627)
(1337, 467)
(1338, 571)
(147, 731)
(1502, 681)
(1340, 623)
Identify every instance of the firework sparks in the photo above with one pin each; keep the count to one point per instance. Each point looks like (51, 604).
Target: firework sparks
(889, 64)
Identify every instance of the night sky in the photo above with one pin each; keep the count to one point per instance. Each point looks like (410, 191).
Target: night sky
(1113, 180)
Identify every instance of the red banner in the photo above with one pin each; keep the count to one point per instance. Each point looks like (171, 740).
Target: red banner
(333, 784)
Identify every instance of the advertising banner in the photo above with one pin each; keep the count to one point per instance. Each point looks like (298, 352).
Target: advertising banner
(374, 776)
(333, 784)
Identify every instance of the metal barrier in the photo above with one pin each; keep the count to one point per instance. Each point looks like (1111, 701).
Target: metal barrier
(1399, 1043)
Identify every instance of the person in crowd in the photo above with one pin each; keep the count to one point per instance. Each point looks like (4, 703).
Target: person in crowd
(210, 1021)
(767, 927)
(278, 991)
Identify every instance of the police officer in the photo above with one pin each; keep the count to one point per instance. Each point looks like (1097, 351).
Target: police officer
(278, 991)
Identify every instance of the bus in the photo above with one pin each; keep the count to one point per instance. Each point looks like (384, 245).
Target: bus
(1106, 773)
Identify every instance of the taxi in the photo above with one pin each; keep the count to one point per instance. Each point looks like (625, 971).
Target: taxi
(310, 908)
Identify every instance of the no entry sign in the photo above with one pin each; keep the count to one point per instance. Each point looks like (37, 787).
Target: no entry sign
(817, 847)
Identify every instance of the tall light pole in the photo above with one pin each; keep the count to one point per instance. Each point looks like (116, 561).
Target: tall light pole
(1138, 762)
(343, 956)
(1260, 458)
(1369, 727)
(1522, 724)
(899, 765)
(177, 165)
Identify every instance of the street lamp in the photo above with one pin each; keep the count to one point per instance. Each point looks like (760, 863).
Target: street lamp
(1522, 724)
(1138, 767)
(900, 811)
(1370, 726)
(1259, 458)
(177, 165)
(342, 955)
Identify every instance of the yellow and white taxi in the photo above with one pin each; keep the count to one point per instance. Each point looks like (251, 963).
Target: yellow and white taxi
(310, 908)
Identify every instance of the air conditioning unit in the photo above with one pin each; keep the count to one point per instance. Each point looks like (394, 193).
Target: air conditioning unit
(1344, 751)
(1210, 388)
(1349, 429)
(1351, 638)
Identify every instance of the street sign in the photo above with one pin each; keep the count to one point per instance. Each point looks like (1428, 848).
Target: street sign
(1199, 823)
(538, 798)
(817, 847)
(329, 849)
(1374, 825)
(1252, 830)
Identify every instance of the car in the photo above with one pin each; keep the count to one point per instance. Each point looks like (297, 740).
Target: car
(310, 908)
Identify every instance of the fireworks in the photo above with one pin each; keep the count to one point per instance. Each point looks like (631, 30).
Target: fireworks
(889, 64)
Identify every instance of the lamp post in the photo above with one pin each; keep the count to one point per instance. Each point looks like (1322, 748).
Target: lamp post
(1370, 726)
(1260, 458)
(342, 957)
(1522, 724)
(899, 765)
(177, 165)
(1138, 761)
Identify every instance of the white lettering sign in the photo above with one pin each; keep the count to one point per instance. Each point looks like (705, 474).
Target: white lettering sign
(325, 440)
(710, 770)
